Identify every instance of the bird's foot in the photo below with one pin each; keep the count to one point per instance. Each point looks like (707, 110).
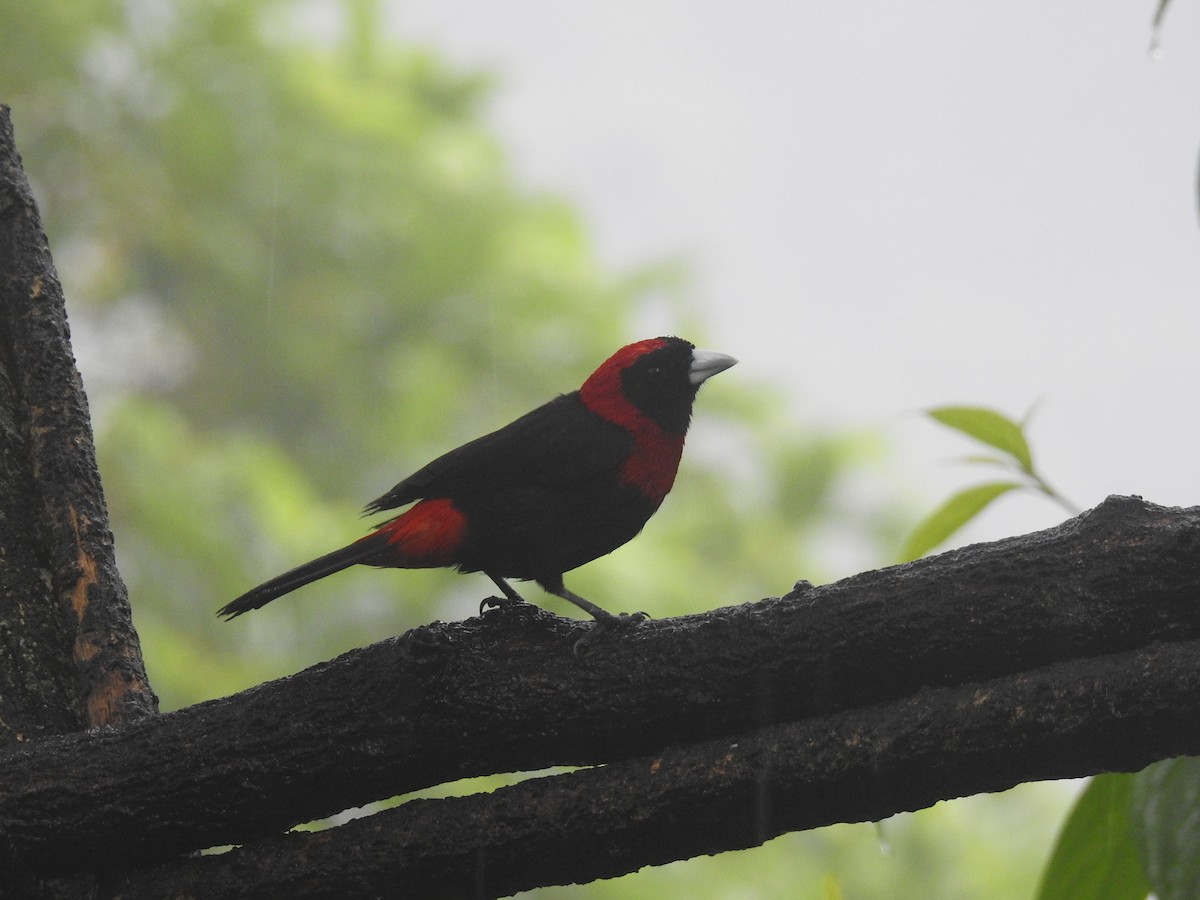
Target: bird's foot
(489, 603)
(606, 623)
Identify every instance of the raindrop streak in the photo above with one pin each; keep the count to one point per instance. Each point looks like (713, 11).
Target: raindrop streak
(494, 340)
(1155, 50)
(272, 250)
(885, 845)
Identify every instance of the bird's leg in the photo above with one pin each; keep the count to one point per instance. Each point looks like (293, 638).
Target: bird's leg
(605, 621)
(596, 612)
(510, 595)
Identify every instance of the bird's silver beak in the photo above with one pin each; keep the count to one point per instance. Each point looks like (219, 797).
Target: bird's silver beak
(707, 363)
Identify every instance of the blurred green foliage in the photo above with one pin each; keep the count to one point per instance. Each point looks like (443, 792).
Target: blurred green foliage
(299, 267)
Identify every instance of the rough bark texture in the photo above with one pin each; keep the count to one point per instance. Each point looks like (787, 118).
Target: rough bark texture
(73, 658)
(1056, 650)
(1109, 713)
(69, 654)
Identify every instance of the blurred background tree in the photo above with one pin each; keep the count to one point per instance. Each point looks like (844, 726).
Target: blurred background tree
(298, 269)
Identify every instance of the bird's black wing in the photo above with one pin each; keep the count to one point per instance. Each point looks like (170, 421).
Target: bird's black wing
(558, 443)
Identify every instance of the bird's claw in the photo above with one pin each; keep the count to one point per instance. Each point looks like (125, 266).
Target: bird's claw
(490, 603)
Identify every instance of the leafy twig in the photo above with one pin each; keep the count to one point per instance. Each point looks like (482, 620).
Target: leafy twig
(1008, 449)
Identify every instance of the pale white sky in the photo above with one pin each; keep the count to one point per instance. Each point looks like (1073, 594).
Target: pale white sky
(889, 206)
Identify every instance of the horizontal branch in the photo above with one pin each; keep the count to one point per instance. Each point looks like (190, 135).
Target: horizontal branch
(505, 693)
(1111, 713)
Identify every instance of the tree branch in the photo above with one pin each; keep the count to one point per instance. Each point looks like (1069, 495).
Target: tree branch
(1112, 713)
(504, 693)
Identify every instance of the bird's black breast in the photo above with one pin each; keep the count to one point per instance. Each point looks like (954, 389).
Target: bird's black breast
(537, 532)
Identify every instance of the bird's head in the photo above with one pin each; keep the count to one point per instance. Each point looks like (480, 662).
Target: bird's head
(658, 377)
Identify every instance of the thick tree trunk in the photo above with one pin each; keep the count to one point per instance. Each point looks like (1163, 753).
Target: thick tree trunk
(73, 658)
(69, 656)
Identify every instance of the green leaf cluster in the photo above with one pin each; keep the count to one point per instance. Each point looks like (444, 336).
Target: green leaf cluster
(1006, 448)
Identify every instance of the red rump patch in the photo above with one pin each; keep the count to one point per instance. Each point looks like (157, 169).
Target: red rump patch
(652, 466)
(429, 534)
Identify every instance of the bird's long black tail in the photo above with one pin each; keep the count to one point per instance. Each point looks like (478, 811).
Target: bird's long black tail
(360, 551)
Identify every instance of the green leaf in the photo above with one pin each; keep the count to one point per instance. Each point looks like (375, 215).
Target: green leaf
(1165, 816)
(983, 459)
(939, 525)
(1096, 856)
(989, 427)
